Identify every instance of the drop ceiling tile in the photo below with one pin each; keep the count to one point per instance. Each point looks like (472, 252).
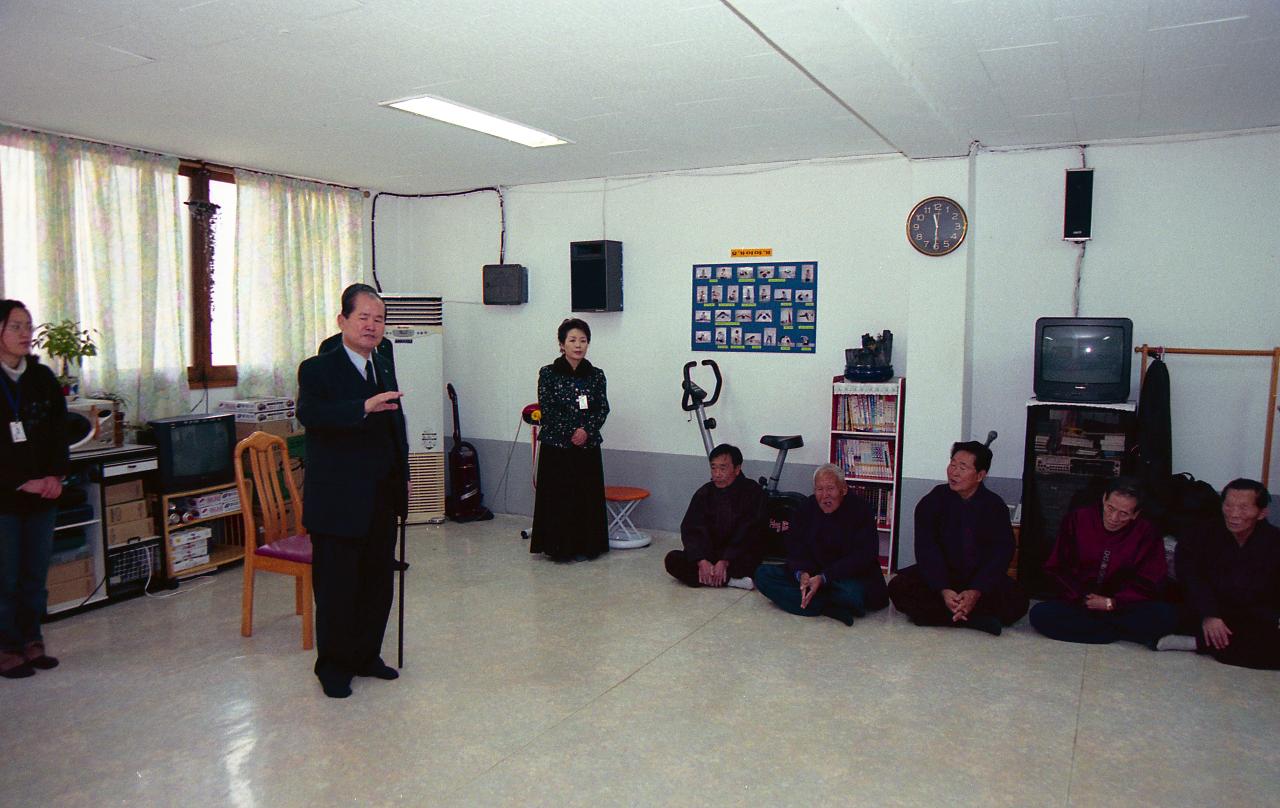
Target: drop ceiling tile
(1164, 13)
(1100, 37)
(1057, 127)
(1193, 45)
(1106, 117)
(1008, 23)
(1104, 78)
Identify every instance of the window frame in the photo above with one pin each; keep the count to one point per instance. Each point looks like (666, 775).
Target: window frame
(202, 373)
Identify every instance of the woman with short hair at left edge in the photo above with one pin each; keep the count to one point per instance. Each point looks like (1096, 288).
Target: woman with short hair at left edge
(33, 459)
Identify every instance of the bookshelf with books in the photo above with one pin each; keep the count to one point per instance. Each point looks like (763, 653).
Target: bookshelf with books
(866, 443)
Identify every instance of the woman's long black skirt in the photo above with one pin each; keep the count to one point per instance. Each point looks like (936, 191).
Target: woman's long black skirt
(569, 517)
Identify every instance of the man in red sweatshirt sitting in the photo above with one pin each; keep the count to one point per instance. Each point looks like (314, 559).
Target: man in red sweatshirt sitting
(1109, 565)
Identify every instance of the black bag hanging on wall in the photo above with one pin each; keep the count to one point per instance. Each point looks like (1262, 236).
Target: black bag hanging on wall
(1155, 434)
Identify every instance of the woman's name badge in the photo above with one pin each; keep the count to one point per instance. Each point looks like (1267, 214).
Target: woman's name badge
(16, 432)
(582, 402)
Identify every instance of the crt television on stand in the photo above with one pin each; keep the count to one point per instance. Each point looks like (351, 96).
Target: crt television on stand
(195, 450)
(1083, 359)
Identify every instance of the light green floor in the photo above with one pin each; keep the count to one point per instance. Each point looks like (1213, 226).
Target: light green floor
(607, 683)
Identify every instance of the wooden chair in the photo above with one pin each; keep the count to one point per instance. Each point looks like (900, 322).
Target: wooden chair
(285, 549)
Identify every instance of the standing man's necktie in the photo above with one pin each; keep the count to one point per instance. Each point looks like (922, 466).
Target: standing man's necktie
(368, 371)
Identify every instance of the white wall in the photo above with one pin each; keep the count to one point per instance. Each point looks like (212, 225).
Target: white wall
(1176, 248)
(848, 216)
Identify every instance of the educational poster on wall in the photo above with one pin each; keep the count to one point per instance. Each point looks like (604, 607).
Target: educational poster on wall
(766, 307)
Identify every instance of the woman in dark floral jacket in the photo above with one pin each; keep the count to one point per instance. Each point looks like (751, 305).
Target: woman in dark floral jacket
(569, 521)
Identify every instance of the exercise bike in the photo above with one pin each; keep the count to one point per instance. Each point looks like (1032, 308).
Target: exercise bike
(782, 505)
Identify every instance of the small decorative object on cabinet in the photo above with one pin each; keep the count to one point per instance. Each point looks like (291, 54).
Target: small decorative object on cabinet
(866, 442)
(202, 529)
(1071, 451)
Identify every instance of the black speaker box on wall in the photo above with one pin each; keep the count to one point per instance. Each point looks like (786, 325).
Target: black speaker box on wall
(595, 274)
(505, 285)
(1077, 211)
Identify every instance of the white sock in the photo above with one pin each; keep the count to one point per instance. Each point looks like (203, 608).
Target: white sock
(1176, 642)
(742, 583)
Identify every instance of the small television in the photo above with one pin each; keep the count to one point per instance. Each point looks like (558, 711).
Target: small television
(195, 450)
(1083, 359)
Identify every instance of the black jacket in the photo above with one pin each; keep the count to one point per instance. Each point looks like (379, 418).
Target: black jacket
(348, 453)
(43, 412)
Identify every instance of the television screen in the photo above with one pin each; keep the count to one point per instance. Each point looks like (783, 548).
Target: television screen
(195, 450)
(1082, 354)
(1083, 359)
(198, 450)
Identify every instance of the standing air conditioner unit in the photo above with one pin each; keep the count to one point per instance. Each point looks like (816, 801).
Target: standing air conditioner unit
(415, 326)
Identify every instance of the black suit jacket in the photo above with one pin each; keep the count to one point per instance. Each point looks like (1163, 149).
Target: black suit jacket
(346, 457)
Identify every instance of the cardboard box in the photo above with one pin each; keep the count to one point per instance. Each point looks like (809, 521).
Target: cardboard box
(121, 533)
(282, 428)
(123, 492)
(256, 404)
(188, 563)
(74, 590)
(188, 551)
(270, 416)
(61, 573)
(128, 511)
(190, 534)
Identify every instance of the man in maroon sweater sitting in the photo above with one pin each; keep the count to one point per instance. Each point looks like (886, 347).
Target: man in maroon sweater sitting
(1109, 566)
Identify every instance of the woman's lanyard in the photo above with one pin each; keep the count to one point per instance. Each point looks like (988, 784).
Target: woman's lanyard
(16, 430)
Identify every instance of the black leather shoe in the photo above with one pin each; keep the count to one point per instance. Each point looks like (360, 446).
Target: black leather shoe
(22, 671)
(379, 670)
(43, 662)
(335, 688)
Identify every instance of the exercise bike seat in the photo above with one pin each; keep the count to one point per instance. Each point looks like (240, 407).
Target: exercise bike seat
(785, 442)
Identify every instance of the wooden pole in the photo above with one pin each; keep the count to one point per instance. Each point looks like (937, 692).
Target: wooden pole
(1271, 416)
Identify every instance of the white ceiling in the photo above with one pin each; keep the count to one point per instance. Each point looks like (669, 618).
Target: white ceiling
(293, 86)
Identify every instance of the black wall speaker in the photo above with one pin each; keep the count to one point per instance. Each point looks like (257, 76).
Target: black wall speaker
(595, 274)
(505, 285)
(1077, 211)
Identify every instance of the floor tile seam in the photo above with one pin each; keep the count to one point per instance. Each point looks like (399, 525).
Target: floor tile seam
(595, 699)
(1075, 734)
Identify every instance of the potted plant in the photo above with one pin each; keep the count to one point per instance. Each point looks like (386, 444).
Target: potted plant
(69, 342)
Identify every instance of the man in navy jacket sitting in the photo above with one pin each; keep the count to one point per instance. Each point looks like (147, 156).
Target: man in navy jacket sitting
(964, 544)
(833, 556)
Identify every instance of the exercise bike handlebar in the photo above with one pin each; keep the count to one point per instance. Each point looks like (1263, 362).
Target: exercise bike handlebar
(694, 396)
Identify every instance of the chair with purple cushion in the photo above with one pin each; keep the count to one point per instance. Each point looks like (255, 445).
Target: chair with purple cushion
(280, 543)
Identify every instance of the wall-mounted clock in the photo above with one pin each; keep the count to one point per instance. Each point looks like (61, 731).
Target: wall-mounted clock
(937, 225)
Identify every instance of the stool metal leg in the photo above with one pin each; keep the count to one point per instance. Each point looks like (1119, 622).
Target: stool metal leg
(622, 531)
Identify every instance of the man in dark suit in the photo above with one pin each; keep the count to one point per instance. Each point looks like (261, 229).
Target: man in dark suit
(355, 486)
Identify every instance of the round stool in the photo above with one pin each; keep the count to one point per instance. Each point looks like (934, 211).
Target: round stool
(621, 501)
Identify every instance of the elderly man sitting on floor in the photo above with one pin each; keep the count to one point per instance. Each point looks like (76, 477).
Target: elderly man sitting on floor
(833, 556)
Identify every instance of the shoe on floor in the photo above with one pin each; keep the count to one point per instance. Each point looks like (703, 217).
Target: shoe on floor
(744, 582)
(335, 688)
(379, 670)
(37, 658)
(22, 670)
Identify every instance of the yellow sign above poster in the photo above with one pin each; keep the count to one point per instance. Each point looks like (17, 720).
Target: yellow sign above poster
(751, 252)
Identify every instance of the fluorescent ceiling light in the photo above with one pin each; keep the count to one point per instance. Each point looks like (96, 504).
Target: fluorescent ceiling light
(431, 107)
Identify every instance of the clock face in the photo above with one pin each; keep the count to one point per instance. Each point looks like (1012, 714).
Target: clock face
(937, 225)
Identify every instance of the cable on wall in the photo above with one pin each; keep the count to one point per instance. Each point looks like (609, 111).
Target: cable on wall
(373, 222)
(1075, 292)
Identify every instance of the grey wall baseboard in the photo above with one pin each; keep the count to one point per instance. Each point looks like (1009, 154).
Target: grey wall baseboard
(505, 474)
